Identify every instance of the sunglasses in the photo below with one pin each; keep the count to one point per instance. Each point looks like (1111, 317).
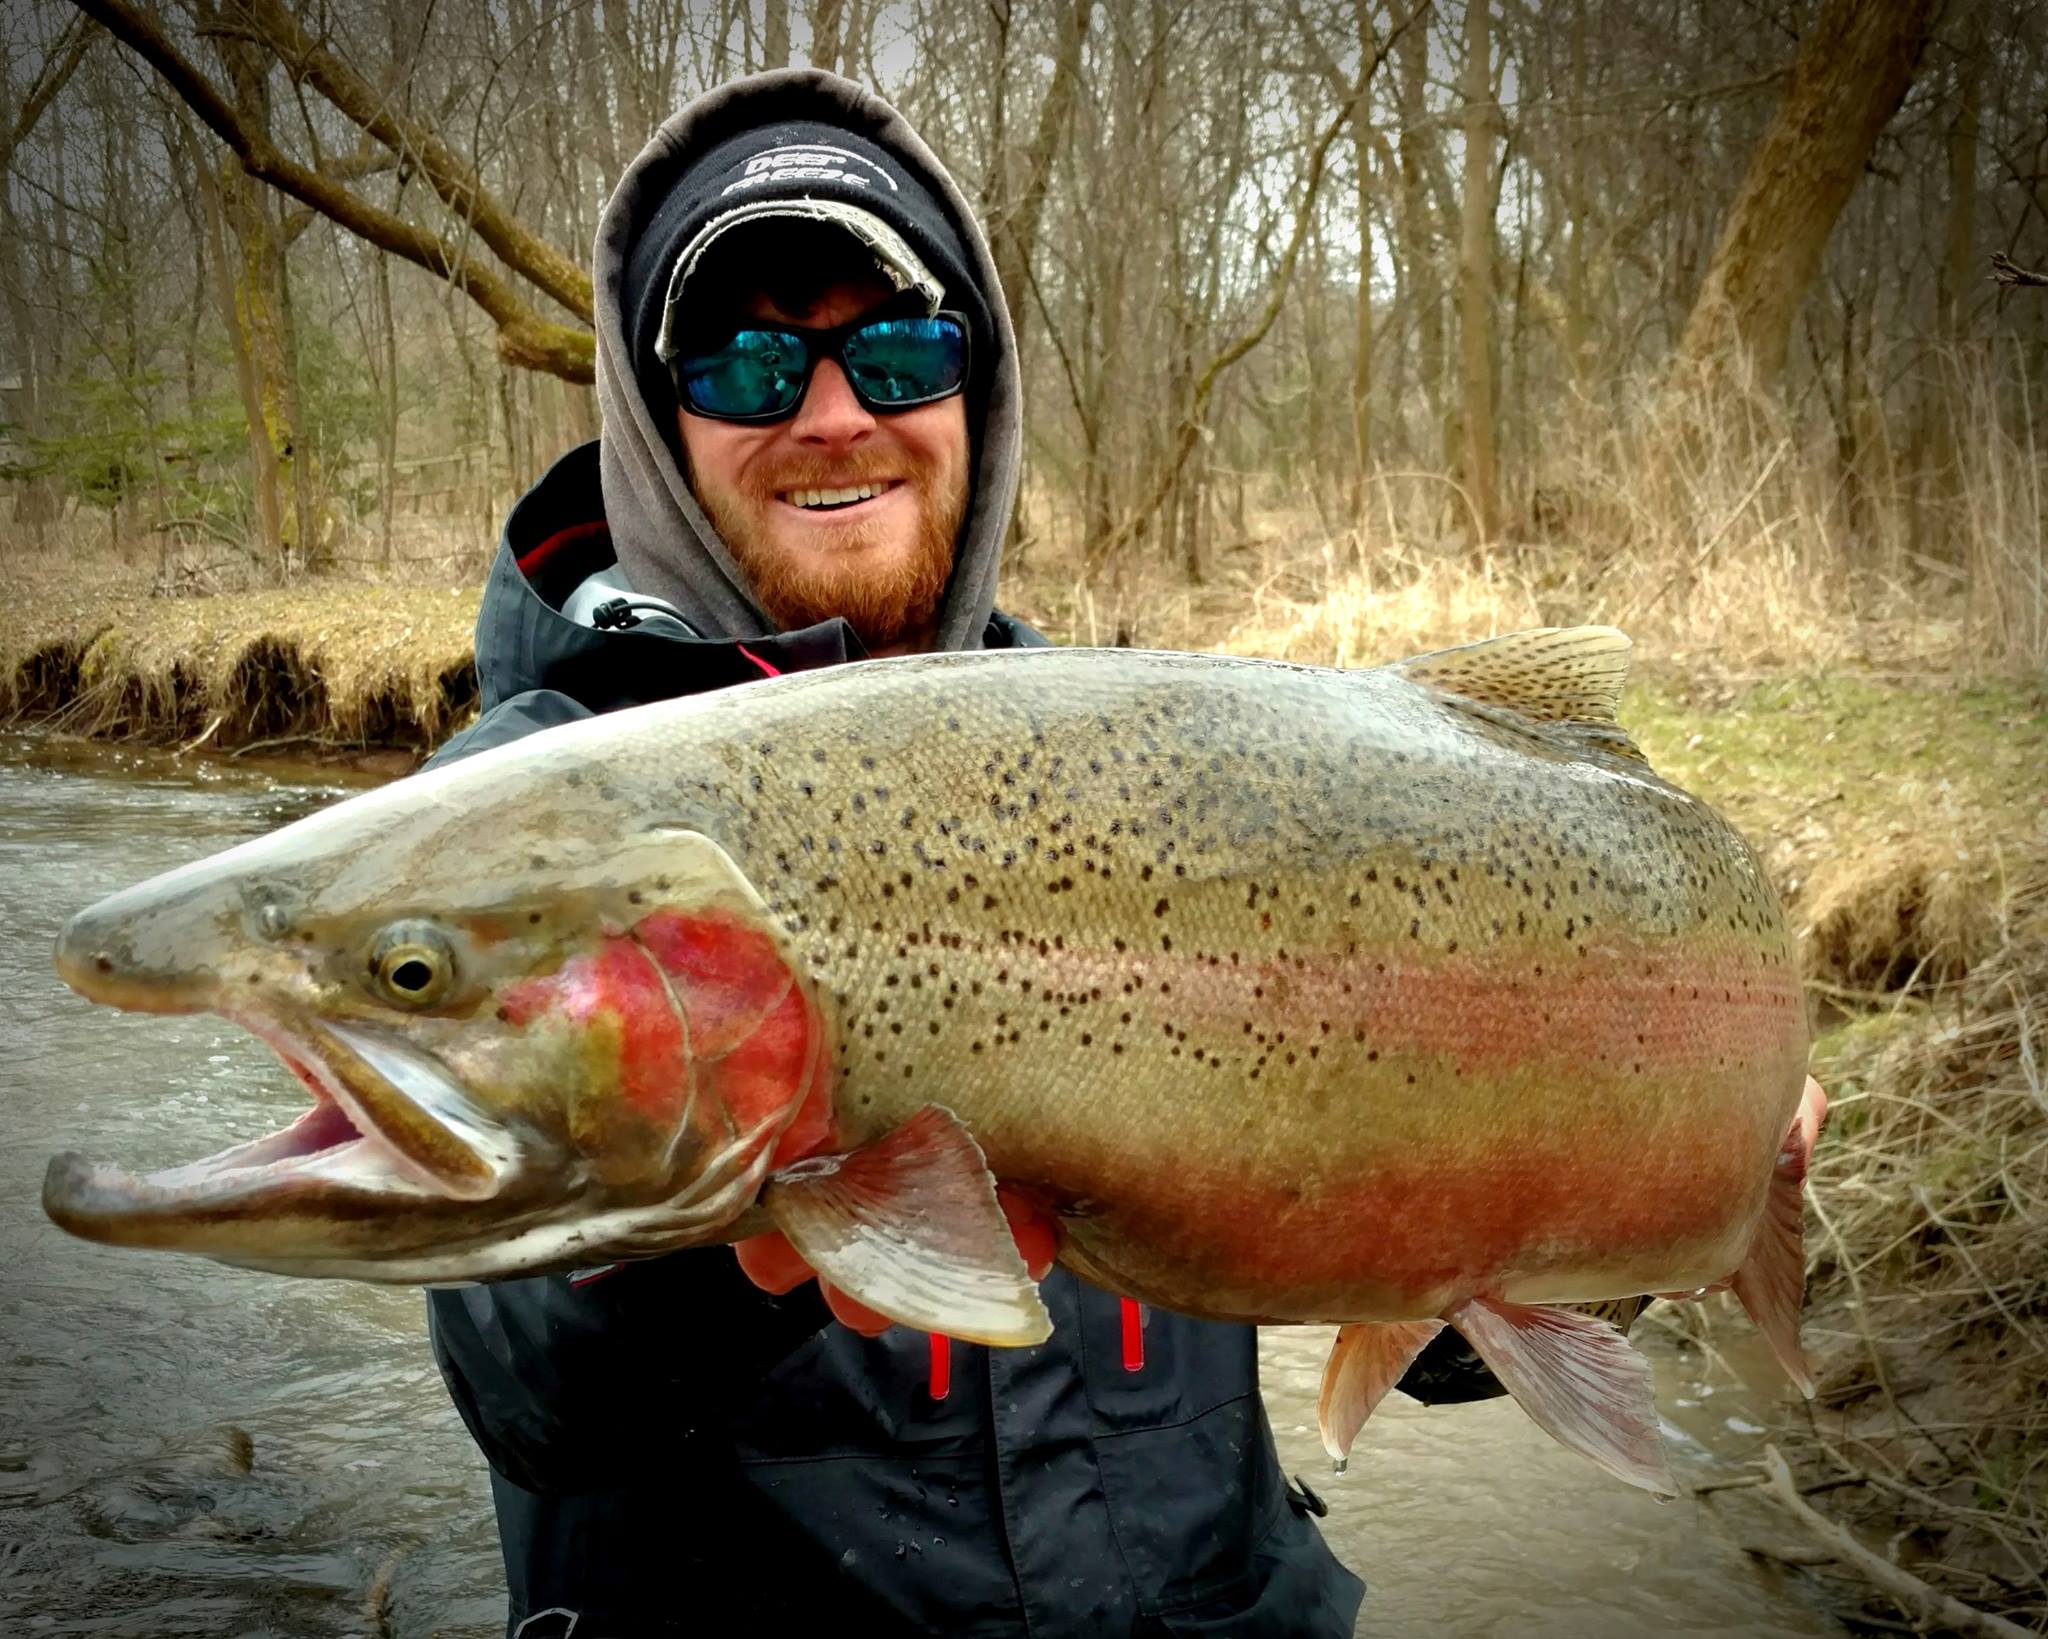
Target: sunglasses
(761, 373)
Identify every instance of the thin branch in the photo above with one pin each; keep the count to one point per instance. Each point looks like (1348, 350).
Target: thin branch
(2008, 272)
(458, 185)
(525, 338)
(1919, 1599)
(1191, 427)
(63, 61)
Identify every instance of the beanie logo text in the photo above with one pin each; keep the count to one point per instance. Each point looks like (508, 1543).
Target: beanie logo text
(807, 164)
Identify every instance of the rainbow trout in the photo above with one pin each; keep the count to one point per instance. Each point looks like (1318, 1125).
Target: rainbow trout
(1397, 998)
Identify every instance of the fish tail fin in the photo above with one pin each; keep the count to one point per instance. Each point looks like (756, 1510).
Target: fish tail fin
(1367, 1360)
(1771, 1283)
(1581, 1380)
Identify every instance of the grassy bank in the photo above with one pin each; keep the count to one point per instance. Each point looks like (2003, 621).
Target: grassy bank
(1895, 783)
(322, 664)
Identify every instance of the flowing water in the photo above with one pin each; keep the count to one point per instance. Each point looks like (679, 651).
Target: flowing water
(191, 1449)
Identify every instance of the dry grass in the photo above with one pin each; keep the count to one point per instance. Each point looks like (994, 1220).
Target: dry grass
(1928, 1295)
(1727, 541)
(323, 663)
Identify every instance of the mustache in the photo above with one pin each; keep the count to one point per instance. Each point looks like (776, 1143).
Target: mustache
(842, 473)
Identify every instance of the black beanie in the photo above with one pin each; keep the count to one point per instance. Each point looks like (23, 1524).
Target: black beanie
(776, 171)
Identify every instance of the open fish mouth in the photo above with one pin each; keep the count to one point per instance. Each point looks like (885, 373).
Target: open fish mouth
(388, 1125)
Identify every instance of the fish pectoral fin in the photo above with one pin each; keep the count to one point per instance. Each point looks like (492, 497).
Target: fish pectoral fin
(1368, 1359)
(909, 1225)
(1771, 1281)
(1580, 1379)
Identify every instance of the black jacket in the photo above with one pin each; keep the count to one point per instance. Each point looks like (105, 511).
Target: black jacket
(671, 1448)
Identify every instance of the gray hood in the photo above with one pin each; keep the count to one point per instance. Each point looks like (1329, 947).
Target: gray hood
(665, 545)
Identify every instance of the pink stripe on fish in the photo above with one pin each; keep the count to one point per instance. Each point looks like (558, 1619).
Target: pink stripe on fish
(1639, 1010)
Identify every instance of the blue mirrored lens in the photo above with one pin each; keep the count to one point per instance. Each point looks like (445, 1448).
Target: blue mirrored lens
(758, 372)
(906, 361)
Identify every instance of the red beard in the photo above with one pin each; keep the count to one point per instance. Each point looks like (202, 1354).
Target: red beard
(885, 595)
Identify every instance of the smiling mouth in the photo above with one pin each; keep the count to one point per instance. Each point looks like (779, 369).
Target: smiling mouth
(843, 498)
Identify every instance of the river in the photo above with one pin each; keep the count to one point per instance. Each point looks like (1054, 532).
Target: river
(187, 1448)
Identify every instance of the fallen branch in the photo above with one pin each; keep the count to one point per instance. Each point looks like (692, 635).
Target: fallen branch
(1789, 1553)
(1916, 1597)
(2008, 272)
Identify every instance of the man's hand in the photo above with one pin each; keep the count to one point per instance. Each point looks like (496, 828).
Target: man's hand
(772, 1264)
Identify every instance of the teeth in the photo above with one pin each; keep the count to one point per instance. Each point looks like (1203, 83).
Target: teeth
(834, 497)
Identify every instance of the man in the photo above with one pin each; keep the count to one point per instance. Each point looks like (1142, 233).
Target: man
(811, 436)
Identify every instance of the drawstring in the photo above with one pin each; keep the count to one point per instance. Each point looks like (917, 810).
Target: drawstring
(940, 1383)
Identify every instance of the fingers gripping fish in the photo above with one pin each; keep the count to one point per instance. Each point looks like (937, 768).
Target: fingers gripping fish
(1404, 999)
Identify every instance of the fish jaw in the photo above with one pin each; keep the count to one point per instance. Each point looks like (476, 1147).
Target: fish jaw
(391, 1139)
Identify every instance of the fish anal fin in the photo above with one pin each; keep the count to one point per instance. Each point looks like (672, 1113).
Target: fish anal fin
(1367, 1360)
(1581, 1380)
(1771, 1281)
(909, 1226)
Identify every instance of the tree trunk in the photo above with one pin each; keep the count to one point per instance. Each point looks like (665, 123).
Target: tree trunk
(775, 34)
(37, 500)
(1418, 227)
(308, 546)
(1361, 349)
(248, 381)
(1014, 231)
(1851, 73)
(826, 17)
(1475, 278)
(1577, 319)
(387, 419)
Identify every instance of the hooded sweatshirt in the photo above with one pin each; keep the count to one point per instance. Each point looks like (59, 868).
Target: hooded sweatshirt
(665, 545)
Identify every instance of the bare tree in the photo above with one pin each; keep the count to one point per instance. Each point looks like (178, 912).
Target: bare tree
(36, 502)
(1852, 71)
(524, 336)
(1475, 279)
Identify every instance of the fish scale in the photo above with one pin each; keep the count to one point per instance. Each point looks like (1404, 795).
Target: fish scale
(1397, 998)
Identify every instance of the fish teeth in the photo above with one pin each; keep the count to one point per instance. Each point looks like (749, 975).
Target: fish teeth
(834, 497)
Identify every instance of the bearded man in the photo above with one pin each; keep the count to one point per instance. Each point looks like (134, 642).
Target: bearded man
(810, 452)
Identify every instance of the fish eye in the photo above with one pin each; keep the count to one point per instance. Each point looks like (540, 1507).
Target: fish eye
(412, 964)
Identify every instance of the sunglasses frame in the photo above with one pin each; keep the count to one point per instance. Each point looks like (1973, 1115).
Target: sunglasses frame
(823, 344)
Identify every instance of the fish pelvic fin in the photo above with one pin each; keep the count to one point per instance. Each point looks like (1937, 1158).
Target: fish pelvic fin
(1581, 1380)
(910, 1227)
(1566, 677)
(1368, 1359)
(1771, 1281)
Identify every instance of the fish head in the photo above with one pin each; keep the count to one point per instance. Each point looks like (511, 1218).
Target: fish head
(533, 1040)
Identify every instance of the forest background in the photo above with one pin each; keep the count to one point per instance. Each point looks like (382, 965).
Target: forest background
(1350, 327)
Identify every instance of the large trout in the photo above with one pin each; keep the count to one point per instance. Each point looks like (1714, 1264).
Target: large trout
(1398, 998)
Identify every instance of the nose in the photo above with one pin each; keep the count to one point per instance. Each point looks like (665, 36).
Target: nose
(830, 417)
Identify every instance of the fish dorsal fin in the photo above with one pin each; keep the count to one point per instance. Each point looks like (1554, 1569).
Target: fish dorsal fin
(1567, 677)
(1552, 674)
